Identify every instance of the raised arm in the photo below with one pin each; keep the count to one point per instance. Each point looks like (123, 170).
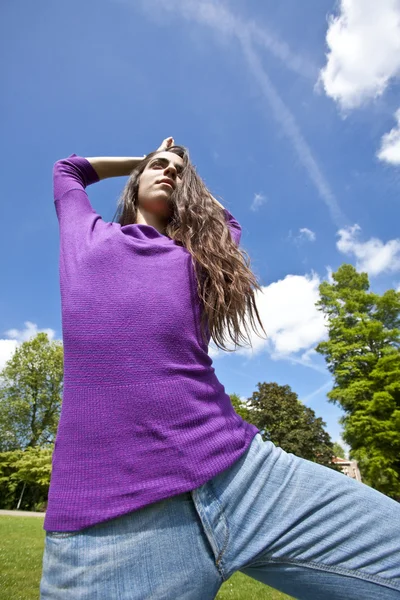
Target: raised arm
(114, 166)
(120, 166)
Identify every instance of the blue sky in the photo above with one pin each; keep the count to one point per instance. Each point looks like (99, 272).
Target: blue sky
(289, 111)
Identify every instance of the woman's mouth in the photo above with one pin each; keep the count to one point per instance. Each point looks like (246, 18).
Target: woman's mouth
(167, 181)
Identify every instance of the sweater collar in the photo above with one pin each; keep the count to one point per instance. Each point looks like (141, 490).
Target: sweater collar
(145, 232)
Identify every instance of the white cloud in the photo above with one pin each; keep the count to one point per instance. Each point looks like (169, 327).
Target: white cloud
(373, 256)
(7, 349)
(291, 320)
(390, 146)
(245, 401)
(364, 51)
(307, 234)
(213, 351)
(329, 271)
(17, 337)
(259, 200)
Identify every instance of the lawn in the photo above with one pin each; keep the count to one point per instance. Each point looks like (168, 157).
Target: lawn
(21, 553)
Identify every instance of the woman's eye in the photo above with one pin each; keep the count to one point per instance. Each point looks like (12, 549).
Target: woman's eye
(159, 164)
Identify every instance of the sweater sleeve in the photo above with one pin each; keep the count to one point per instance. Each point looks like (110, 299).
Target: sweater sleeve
(234, 227)
(77, 219)
(74, 172)
(70, 178)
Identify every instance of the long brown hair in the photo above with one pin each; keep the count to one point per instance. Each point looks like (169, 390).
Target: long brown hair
(225, 283)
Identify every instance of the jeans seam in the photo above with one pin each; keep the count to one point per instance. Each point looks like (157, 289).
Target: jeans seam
(209, 531)
(390, 583)
(224, 547)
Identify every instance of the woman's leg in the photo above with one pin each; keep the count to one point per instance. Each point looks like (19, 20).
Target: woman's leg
(159, 552)
(302, 528)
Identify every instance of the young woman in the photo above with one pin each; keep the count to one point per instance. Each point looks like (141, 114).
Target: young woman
(159, 489)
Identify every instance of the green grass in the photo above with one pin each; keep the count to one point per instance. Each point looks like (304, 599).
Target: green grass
(21, 554)
(241, 587)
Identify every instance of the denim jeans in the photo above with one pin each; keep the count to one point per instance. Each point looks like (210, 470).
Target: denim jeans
(292, 524)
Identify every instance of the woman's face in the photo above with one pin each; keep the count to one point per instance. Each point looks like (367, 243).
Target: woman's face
(154, 190)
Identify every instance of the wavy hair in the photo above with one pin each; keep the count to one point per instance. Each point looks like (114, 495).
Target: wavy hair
(225, 283)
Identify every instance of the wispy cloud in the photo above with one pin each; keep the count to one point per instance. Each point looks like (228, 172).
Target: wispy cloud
(281, 50)
(307, 234)
(214, 14)
(295, 360)
(259, 200)
(304, 235)
(323, 388)
(289, 126)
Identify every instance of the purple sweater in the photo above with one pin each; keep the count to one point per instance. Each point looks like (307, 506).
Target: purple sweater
(143, 415)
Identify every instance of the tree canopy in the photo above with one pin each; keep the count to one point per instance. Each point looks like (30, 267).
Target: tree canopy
(362, 353)
(30, 394)
(338, 450)
(287, 422)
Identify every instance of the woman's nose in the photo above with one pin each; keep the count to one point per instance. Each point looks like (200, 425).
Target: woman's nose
(171, 171)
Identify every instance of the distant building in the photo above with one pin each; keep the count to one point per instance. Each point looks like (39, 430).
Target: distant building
(348, 467)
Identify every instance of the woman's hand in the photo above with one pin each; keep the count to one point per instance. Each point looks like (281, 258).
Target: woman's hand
(167, 143)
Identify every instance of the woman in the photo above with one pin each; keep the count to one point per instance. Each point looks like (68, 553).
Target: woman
(159, 489)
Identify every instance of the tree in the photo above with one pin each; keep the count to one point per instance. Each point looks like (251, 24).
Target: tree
(240, 407)
(30, 395)
(363, 355)
(288, 423)
(338, 450)
(25, 478)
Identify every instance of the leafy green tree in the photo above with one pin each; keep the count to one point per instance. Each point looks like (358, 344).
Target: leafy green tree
(25, 478)
(338, 450)
(240, 407)
(363, 355)
(288, 423)
(30, 394)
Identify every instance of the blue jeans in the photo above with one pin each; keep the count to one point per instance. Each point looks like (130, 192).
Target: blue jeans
(292, 524)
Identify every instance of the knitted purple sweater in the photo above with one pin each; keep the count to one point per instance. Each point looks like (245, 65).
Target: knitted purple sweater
(143, 415)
